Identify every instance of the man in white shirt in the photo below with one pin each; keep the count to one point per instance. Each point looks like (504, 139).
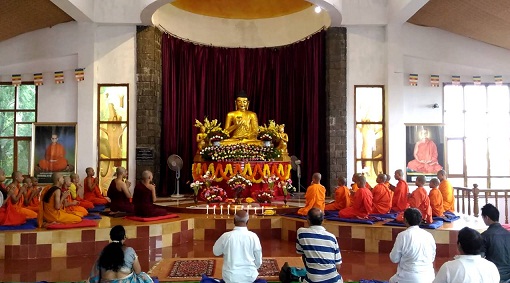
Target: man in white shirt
(414, 251)
(241, 250)
(469, 266)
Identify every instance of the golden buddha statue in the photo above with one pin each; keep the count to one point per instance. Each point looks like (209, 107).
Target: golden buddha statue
(242, 125)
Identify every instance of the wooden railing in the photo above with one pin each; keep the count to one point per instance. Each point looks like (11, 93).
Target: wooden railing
(496, 197)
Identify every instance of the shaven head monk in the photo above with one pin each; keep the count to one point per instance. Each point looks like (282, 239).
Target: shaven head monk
(399, 201)
(436, 198)
(446, 189)
(315, 195)
(381, 202)
(420, 200)
(342, 196)
(362, 202)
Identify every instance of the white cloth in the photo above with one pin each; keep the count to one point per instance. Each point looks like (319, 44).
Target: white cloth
(468, 269)
(414, 251)
(242, 255)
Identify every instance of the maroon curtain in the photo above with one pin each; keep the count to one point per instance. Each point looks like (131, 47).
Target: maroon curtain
(285, 84)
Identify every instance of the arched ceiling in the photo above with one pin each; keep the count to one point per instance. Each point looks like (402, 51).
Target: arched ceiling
(245, 9)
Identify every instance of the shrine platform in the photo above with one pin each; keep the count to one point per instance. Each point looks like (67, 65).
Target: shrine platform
(194, 224)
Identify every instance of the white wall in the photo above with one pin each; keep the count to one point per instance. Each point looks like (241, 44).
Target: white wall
(108, 55)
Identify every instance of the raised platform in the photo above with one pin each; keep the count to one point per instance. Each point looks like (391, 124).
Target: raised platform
(152, 236)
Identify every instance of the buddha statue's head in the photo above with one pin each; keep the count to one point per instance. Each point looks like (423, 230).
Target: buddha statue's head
(242, 101)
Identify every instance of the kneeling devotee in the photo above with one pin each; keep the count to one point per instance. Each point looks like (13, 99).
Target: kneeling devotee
(414, 251)
(469, 266)
(362, 204)
(53, 203)
(436, 198)
(319, 250)
(342, 197)
(144, 197)
(241, 250)
(381, 202)
(91, 189)
(315, 195)
(119, 193)
(399, 201)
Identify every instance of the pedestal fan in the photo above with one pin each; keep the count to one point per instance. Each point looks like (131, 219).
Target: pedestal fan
(174, 162)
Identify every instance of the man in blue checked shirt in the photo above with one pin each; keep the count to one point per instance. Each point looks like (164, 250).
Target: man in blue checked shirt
(319, 250)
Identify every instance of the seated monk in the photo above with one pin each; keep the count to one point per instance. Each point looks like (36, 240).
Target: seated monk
(436, 199)
(119, 193)
(381, 202)
(425, 155)
(3, 187)
(144, 197)
(342, 197)
(446, 189)
(31, 195)
(70, 205)
(242, 125)
(362, 205)
(54, 158)
(36, 200)
(77, 192)
(16, 192)
(388, 184)
(315, 195)
(53, 203)
(419, 200)
(92, 192)
(399, 202)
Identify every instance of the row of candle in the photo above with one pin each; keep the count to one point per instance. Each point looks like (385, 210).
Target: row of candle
(235, 209)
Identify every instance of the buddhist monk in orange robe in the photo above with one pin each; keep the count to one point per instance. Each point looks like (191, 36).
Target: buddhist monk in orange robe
(70, 205)
(388, 184)
(342, 197)
(31, 195)
(77, 192)
(420, 200)
(446, 190)
(315, 195)
(436, 199)
(52, 202)
(54, 159)
(362, 205)
(3, 187)
(381, 202)
(15, 192)
(91, 189)
(399, 202)
(425, 155)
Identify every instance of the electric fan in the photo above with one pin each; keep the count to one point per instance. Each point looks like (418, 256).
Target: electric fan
(296, 166)
(174, 162)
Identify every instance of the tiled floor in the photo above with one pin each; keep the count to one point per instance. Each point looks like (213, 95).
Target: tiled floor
(355, 265)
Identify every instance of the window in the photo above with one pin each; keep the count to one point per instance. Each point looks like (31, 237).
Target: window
(370, 144)
(477, 123)
(112, 131)
(18, 110)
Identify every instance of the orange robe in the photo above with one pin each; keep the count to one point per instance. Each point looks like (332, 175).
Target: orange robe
(436, 202)
(74, 209)
(342, 199)
(9, 216)
(315, 197)
(381, 202)
(51, 214)
(93, 194)
(361, 207)
(81, 202)
(54, 159)
(34, 202)
(427, 150)
(420, 200)
(29, 214)
(446, 190)
(399, 202)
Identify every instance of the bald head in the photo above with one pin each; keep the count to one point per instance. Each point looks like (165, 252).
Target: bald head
(57, 178)
(120, 171)
(361, 182)
(420, 180)
(315, 216)
(341, 181)
(241, 218)
(381, 178)
(316, 178)
(146, 175)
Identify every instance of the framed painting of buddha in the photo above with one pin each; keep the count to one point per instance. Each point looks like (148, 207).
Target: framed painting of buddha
(53, 150)
(425, 150)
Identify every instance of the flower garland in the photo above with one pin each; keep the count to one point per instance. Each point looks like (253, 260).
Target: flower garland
(240, 152)
(255, 172)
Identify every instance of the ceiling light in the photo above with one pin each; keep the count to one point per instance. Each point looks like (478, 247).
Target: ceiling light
(317, 9)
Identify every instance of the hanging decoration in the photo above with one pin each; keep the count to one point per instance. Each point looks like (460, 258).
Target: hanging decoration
(434, 80)
(413, 79)
(456, 80)
(79, 74)
(477, 80)
(498, 80)
(59, 77)
(38, 79)
(16, 80)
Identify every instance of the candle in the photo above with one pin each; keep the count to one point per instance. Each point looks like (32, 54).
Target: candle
(255, 210)
(214, 210)
(235, 209)
(228, 209)
(242, 207)
(207, 209)
(221, 209)
(248, 209)
(262, 209)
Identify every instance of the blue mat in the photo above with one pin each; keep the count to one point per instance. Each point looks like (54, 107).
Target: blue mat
(97, 208)
(370, 220)
(385, 216)
(371, 281)
(329, 213)
(448, 217)
(29, 225)
(434, 225)
(294, 215)
(92, 216)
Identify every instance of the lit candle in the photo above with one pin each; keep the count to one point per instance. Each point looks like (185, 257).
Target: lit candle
(262, 209)
(228, 209)
(214, 210)
(207, 209)
(255, 210)
(248, 209)
(235, 209)
(221, 209)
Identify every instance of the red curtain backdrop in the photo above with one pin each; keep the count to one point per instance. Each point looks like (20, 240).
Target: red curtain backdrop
(285, 84)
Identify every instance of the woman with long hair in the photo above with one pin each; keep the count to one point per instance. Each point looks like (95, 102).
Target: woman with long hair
(117, 262)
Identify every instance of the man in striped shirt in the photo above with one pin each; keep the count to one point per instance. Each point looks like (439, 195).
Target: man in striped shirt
(319, 250)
